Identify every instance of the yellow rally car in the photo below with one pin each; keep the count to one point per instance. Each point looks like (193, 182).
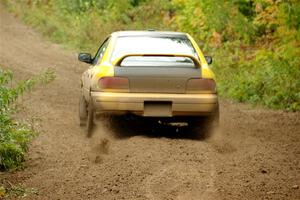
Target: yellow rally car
(161, 76)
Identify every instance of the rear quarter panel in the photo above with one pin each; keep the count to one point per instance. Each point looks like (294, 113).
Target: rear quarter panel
(206, 70)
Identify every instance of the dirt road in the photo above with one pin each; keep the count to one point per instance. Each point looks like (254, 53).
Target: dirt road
(256, 154)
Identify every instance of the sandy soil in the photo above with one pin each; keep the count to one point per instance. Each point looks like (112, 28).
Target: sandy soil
(255, 155)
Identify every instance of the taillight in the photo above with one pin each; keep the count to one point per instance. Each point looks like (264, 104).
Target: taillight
(114, 84)
(201, 86)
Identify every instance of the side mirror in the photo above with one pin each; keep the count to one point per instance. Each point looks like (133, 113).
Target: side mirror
(208, 59)
(85, 57)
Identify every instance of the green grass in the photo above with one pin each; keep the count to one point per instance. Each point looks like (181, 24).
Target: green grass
(14, 136)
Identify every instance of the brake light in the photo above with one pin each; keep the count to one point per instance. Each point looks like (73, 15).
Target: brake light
(117, 84)
(201, 86)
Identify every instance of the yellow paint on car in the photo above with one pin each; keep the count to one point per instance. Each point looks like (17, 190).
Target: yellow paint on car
(206, 71)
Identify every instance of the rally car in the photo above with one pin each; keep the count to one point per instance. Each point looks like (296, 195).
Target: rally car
(155, 75)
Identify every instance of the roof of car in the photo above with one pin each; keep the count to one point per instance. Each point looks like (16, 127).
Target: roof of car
(150, 33)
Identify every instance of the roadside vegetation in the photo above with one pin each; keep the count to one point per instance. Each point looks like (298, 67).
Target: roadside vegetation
(16, 191)
(255, 43)
(14, 136)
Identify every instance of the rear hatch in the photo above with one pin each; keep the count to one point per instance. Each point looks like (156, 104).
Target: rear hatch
(155, 75)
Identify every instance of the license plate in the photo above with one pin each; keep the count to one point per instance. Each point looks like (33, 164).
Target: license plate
(158, 109)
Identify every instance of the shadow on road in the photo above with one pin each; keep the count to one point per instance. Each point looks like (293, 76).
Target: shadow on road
(124, 127)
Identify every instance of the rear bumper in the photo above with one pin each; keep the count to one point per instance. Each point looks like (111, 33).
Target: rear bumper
(164, 105)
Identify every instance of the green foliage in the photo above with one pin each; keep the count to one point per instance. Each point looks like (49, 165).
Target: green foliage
(255, 43)
(246, 7)
(204, 18)
(271, 79)
(267, 72)
(14, 137)
(16, 191)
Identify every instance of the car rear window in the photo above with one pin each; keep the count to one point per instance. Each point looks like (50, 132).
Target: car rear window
(154, 45)
(163, 61)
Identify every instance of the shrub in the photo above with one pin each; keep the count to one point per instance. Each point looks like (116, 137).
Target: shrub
(14, 137)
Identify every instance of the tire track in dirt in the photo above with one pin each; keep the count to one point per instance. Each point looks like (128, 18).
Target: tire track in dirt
(254, 156)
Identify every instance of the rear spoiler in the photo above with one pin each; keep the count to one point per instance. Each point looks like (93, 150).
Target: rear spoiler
(118, 61)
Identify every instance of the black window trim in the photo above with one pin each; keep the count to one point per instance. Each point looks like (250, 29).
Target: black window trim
(95, 62)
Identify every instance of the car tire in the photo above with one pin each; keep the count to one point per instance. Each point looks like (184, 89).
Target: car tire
(90, 120)
(83, 112)
(204, 127)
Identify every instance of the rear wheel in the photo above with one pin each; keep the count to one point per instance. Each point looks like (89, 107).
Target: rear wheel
(90, 120)
(83, 112)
